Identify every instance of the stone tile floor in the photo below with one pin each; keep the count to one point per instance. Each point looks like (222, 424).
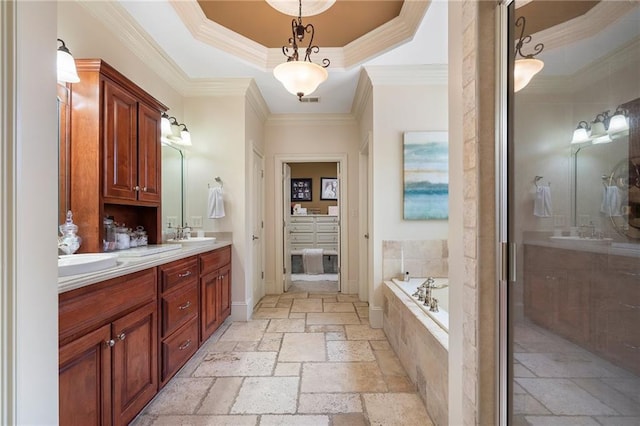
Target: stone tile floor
(305, 359)
(559, 383)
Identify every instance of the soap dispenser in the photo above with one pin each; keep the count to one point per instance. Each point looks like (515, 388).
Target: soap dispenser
(69, 241)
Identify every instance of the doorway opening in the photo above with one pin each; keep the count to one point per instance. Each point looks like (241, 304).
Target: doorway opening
(311, 226)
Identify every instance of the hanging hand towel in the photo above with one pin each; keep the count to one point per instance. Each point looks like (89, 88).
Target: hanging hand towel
(216, 204)
(611, 201)
(312, 261)
(542, 203)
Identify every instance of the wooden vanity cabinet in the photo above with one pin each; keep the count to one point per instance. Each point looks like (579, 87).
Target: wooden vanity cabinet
(215, 290)
(108, 365)
(179, 314)
(115, 153)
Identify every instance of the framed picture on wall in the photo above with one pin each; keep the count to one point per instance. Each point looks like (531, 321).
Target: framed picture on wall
(328, 188)
(301, 189)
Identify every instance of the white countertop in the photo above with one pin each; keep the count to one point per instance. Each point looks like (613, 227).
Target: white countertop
(129, 264)
(607, 247)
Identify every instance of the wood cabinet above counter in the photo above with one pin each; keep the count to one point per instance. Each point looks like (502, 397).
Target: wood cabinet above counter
(115, 153)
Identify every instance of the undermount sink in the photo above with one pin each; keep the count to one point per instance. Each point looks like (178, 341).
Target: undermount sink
(74, 264)
(193, 240)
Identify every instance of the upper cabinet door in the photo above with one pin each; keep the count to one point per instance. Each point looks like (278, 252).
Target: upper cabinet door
(120, 143)
(148, 154)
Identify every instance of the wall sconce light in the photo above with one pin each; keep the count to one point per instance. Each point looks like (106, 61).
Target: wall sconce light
(604, 128)
(67, 72)
(524, 69)
(167, 135)
(301, 77)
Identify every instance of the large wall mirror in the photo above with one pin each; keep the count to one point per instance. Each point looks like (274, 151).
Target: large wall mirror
(173, 203)
(63, 151)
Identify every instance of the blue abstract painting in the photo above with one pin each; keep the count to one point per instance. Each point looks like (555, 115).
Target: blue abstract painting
(426, 176)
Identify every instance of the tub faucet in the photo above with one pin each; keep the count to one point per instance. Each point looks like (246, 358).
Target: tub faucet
(433, 306)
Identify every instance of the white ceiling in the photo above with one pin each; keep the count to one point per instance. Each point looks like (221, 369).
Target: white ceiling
(199, 60)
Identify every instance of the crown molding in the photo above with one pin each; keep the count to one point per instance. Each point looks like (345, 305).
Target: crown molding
(127, 29)
(364, 91)
(408, 75)
(310, 120)
(591, 23)
(393, 33)
(217, 87)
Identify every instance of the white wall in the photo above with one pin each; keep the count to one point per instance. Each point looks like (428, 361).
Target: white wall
(398, 109)
(308, 135)
(35, 221)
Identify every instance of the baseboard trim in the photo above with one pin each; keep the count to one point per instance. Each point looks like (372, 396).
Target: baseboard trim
(241, 311)
(375, 316)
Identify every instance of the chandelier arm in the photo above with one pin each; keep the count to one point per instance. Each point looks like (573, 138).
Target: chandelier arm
(522, 40)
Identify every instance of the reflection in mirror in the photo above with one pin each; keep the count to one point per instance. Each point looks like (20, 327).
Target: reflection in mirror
(63, 152)
(172, 186)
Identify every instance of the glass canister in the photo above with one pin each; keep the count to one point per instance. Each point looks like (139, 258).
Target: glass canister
(141, 236)
(122, 237)
(109, 240)
(133, 238)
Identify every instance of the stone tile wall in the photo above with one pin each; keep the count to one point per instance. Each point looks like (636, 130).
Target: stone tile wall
(421, 258)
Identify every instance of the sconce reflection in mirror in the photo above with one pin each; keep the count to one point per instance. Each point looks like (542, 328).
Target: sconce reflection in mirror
(524, 69)
(168, 135)
(66, 65)
(603, 129)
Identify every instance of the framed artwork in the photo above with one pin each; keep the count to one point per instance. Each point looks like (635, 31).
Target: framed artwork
(328, 188)
(301, 189)
(426, 175)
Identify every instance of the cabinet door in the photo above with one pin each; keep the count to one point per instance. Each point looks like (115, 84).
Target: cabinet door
(225, 293)
(540, 296)
(120, 143)
(135, 362)
(209, 304)
(148, 154)
(85, 380)
(572, 315)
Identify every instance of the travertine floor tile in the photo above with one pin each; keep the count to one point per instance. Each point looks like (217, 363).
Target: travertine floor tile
(181, 396)
(336, 335)
(351, 419)
(325, 329)
(614, 399)
(269, 299)
(342, 377)
(348, 298)
(307, 305)
(298, 315)
(349, 351)
(563, 397)
(270, 342)
(302, 347)
(300, 295)
(271, 395)
(284, 303)
(561, 421)
(563, 365)
(364, 332)
(396, 409)
(295, 420)
(332, 318)
(338, 307)
(286, 326)
(221, 396)
(526, 404)
(246, 346)
(243, 331)
(389, 363)
(380, 345)
(619, 421)
(206, 421)
(399, 384)
(363, 311)
(329, 403)
(287, 369)
(267, 313)
(225, 364)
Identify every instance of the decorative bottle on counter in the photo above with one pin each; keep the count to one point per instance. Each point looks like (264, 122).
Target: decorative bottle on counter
(109, 240)
(69, 241)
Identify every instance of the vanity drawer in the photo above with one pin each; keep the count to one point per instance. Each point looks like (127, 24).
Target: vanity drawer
(327, 227)
(327, 238)
(214, 260)
(326, 219)
(178, 307)
(179, 272)
(178, 348)
(328, 246)
(301, 219)
(302, 238)
(301, 227)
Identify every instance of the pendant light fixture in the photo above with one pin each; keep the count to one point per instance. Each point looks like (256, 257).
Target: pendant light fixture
(300, 77)
(311, 7)
(168, 137)
(528, 66)
(66, 65)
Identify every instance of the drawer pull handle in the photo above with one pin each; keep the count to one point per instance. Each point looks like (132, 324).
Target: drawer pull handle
(632, 274)
(185, 306)
(626, 305)
(122, 336)
(185, 345)
(186, 274)
(110, 343)
(550, 277)
(635, 348)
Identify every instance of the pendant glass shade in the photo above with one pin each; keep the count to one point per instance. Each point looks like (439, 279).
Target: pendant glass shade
(602, 139)
(580, 135)
(165, 127)
(523, 72)
(300, 78)
(618, 124)
(185, 137)
(66, 65)
(292, 7)
(597, 129)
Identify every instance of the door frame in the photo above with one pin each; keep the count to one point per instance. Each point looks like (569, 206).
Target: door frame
(343, 202)
(257, 197)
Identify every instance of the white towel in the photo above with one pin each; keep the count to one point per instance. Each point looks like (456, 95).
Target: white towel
(216, 204)
(542, 203)
(611, 201)
(312, 261)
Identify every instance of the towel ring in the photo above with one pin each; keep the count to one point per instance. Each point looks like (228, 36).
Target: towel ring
(536, 179)
(217, 179)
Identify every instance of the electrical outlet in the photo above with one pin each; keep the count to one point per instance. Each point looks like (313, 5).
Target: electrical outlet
(172, 221)
(196, 221)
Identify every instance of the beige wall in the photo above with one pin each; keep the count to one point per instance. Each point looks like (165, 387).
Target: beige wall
(315, 171)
